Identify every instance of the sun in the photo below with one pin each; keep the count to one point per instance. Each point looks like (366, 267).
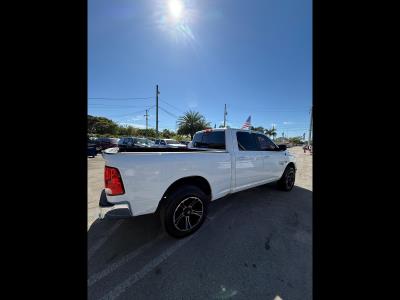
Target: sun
(176, 18)
(176, 8)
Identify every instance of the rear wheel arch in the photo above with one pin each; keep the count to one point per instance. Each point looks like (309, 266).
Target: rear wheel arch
(197, 181)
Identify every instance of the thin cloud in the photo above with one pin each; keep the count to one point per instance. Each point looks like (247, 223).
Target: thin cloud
(192, 104)
(137, 118)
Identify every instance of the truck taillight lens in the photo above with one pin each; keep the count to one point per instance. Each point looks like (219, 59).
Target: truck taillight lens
(113, 182)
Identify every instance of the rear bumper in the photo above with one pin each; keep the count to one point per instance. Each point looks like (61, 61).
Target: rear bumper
(103, 202)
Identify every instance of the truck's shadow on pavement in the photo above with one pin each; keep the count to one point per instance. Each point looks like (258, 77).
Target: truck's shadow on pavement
(112, 237)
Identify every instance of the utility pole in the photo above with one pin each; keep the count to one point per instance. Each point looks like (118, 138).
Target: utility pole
(309, 132)
(147, 119)
(225, 113)
(157, 92)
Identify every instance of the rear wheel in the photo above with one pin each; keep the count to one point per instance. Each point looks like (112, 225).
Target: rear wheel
(185, 211)
(286, 182)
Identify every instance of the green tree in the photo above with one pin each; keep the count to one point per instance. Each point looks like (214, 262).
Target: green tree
(191, 122)
(150, 132)
(296, 140)
(167, 133)
(259, 128)
(179, 137)
(271, 132)
(101, 125)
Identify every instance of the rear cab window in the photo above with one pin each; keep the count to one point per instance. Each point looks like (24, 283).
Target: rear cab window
(209, 140)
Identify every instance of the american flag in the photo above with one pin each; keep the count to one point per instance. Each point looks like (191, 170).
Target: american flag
(247, 124)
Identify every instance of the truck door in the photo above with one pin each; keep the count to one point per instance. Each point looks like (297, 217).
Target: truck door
(274, 161)
(249, 165)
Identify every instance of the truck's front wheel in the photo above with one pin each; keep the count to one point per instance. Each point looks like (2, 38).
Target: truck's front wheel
(286, 182)
(185, 211)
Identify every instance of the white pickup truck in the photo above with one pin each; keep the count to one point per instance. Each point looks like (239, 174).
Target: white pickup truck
(178, 184)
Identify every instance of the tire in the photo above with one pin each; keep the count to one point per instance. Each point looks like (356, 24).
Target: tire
(184, 211)
(287, 180)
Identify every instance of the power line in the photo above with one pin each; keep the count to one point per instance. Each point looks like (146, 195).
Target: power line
(115, 105)
(180, 111)
(169, 113)
(112, 108)
(302, 108)
(109, 98)
(135, 112)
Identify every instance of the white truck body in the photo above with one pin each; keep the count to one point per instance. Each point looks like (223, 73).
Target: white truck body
(146, 176)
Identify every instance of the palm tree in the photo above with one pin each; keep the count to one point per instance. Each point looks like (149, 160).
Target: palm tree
(191, 122)
(271, 132)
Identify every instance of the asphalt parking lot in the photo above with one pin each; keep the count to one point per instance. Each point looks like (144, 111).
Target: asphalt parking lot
(256, 244)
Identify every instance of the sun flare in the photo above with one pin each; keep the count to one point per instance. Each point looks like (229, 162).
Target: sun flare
(176, 8)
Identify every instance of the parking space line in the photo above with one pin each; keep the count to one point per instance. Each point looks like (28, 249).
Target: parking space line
(132, 279)
(111, 268)
(100, 242)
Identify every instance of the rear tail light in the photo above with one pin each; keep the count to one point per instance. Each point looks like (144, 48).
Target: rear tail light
(113, 182)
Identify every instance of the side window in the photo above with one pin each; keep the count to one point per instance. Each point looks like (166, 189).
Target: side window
(246, 141)
(162, 142)
(210, 140)
(157, 142)
(265, 143)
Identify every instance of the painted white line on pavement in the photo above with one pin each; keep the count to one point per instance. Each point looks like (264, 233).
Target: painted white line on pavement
(121, 288)
(111, 268)
(101, 241)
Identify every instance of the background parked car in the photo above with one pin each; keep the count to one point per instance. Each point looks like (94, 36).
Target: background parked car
(91, 150)
(168, 143)
(146, 142)
(104, 143)
(127, 143)
(150, 143)
(186, 143)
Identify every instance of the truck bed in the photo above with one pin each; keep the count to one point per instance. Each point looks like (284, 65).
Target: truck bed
(155, 149)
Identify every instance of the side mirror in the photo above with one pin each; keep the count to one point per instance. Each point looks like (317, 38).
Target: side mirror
(282, 147)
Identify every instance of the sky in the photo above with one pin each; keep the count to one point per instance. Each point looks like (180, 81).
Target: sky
(254, 56)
